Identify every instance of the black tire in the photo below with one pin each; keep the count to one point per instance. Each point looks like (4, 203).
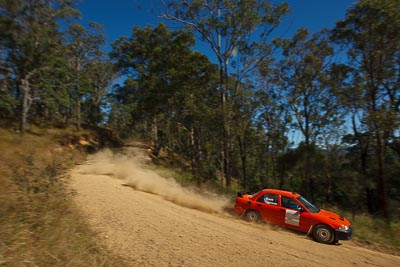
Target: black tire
(252, 216)
(323, 234)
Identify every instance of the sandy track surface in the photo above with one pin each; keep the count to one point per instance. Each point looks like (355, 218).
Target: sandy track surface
(152, 221)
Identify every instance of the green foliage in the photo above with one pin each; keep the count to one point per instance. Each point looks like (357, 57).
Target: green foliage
(371, 32)
(30, 43)
(237, 122)
(45, 73)
(232, 121)
(303, 78)
(237, 32)
(6, 105)
(170, 92)
(90, 74)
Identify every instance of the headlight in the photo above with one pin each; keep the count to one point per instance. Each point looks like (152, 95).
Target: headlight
(343, 228)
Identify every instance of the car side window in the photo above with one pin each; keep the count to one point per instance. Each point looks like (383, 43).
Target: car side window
(289, 203)
(271, 199)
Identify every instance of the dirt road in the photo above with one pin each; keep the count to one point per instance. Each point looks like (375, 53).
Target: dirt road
(152, 221)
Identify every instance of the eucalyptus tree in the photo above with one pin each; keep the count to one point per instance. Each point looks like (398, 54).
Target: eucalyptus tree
(149, 58)
(100, 74)
(244, 108)
(85, 55)
(238, 32)
(7, 101)
(274, 119)
(305, 84)
(169, 92)
(194, 112)
(30, 39)
(124, 115)
(303, 78)
(371, 35)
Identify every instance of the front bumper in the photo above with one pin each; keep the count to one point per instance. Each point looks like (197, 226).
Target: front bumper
(343, 235)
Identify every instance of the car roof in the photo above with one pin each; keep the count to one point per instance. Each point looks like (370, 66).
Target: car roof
(280, 192)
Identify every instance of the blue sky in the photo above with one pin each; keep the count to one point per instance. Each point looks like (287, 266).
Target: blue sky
(119, 16)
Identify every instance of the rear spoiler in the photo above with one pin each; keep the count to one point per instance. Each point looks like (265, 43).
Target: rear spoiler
(240, 194)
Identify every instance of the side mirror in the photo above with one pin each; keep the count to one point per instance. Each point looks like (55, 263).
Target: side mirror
(301, 209)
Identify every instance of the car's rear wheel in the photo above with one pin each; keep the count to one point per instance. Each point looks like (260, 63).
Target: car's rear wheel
(252, 216)
(323, 234)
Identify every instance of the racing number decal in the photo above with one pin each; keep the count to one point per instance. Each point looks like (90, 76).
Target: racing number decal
(292, 217)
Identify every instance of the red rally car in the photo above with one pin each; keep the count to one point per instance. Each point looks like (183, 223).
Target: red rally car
(293, 211)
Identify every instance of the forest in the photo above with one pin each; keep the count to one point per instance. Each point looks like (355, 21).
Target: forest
(317, 113)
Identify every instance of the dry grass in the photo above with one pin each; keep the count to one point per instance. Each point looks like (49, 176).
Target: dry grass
(373, 232)
(39, 223)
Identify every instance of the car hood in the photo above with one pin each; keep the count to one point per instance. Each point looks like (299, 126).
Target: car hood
(333, 217)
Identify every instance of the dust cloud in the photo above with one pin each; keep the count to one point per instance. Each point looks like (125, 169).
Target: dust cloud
(129, 166)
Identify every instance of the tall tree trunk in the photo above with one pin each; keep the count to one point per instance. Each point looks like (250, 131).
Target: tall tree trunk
(78, 95)
(227, 163)
(156, 143)
(192, 151)
(26, 102)
(243, 157)
(225, 123)
(78, 114)
(369, 193)
(381, 175)
(308, 173)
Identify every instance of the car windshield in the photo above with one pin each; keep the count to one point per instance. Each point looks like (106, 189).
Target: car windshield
(308, 205)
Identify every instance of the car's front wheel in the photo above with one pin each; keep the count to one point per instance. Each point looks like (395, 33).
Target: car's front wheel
(323, 234)
(252, 216)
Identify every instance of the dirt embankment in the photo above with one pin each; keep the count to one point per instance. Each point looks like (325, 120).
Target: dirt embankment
(152, 221)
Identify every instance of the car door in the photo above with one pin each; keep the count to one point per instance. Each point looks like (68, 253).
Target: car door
(290, 213)
(267, 205)
(306, 220)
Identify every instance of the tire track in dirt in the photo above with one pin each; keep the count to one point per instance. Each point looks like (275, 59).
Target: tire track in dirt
(151, 229)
